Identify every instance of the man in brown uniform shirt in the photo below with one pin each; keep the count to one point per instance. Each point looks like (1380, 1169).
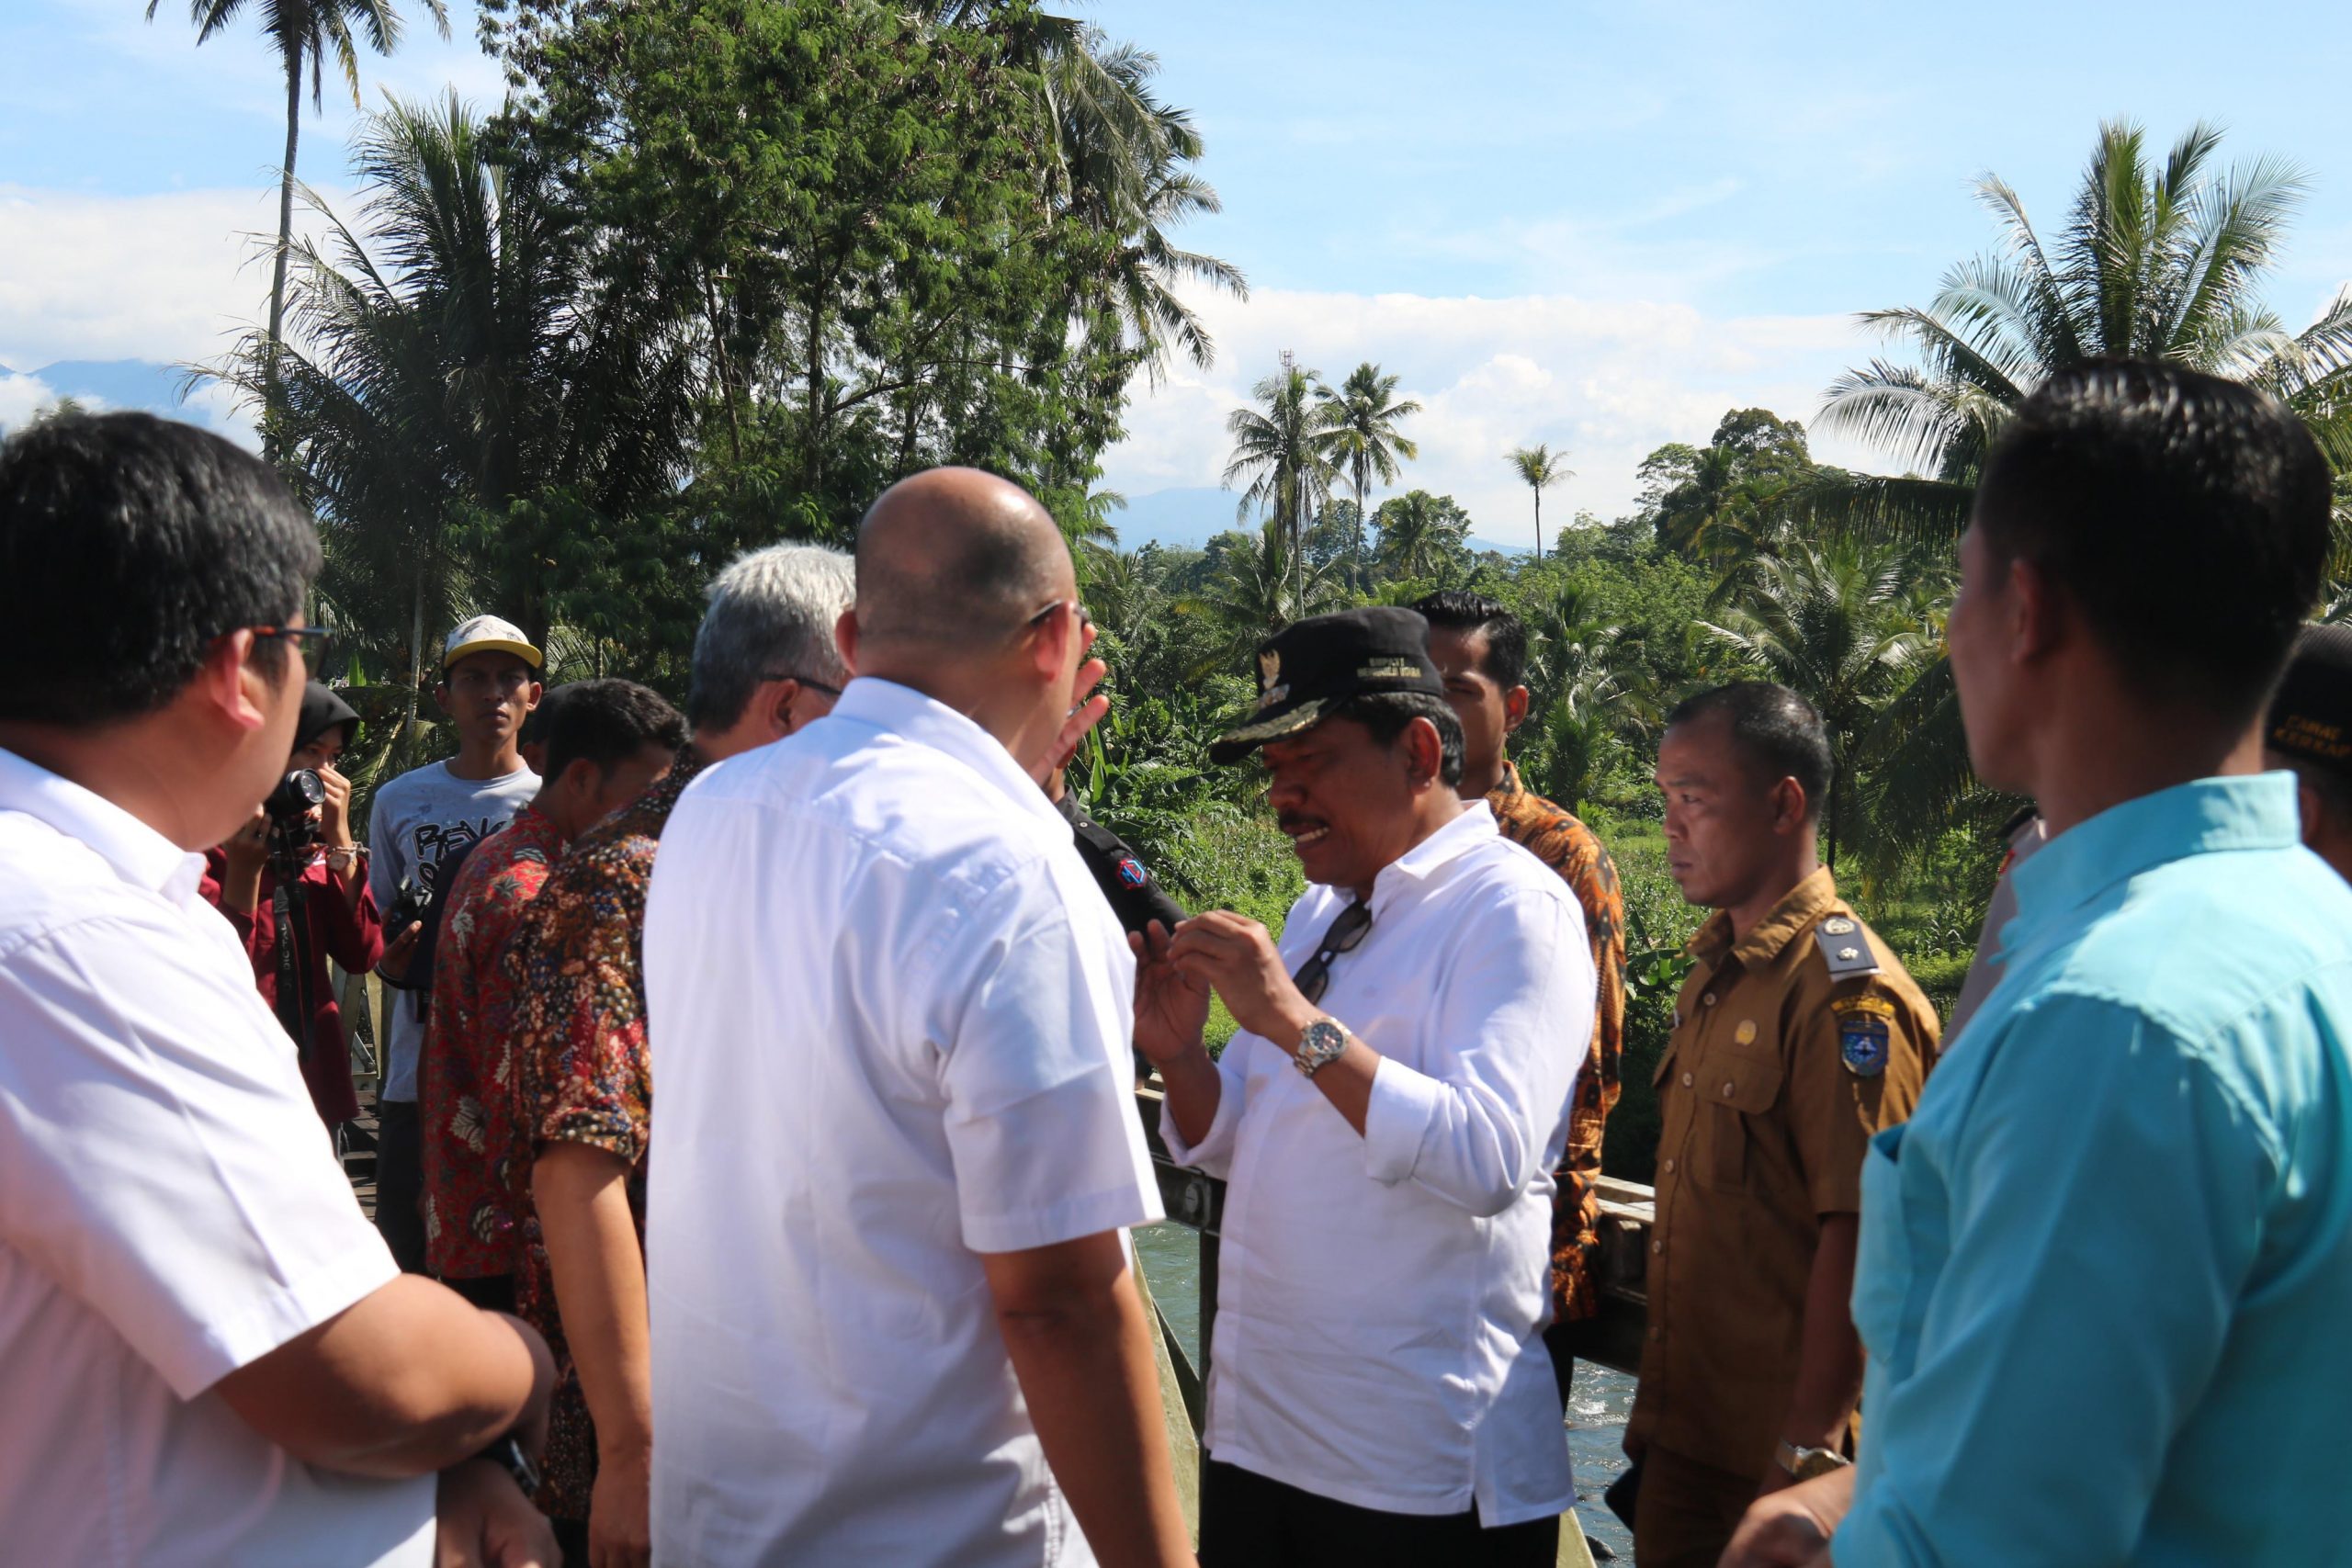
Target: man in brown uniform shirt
(1480, 649)
(1796, 1038)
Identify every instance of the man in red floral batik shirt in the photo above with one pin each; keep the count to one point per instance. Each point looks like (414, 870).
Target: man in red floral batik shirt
(1480, 649)
(609, 740)
(765, 664)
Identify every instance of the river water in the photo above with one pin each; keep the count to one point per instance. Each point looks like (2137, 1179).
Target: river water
(1171, 1260)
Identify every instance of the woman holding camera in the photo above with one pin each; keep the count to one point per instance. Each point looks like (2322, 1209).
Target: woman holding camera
(333, 915)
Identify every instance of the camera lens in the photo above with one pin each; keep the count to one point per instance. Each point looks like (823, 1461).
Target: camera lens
(296, 794)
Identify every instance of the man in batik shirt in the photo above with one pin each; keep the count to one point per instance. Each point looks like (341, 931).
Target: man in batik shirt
(618, 741)
(765, 664)
(1480, 647)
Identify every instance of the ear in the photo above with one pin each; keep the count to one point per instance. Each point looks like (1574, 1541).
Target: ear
(1789, 806)
(441, 698)
(1424, 753)
(2038, 612)
(776, 710)
(538, 690)
(1514, 709)
(235, 685)
(845, 638)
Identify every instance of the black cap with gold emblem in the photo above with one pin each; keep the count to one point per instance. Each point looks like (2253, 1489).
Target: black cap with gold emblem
(1306, 671)
(2311, 716)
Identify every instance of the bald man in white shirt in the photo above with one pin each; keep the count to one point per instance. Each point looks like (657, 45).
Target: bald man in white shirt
(896, 1145)
(206, 1355)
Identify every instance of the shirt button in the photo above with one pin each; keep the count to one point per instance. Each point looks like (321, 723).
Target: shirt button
(1657, 1248)
(1657, 1329)
(1686, 1080)
(1728, 1087)
(1708, 999)
(1669, 1164)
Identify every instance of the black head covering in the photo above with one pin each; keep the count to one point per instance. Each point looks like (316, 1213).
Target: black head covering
(322, 711)
(1306, 670)
(2311, 716)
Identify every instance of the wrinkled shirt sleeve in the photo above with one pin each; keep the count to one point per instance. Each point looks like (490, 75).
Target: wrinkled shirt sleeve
(1033, 1041)
(2104, 1202)
(1213, 1152)
(1487, 1114)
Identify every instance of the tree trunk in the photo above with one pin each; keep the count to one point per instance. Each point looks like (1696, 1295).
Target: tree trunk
(415, 652)
(1539, 523)
(285, 242)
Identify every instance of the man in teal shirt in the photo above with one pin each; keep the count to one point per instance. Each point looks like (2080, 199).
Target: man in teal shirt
(2105, 1280)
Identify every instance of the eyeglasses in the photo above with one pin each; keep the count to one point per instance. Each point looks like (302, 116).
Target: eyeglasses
(808, 681)
(1314, 976)
(303, 637)
(1085, 621)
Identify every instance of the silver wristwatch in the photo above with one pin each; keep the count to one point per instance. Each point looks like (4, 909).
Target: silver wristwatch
(1806, 1463)
(1322, 1042)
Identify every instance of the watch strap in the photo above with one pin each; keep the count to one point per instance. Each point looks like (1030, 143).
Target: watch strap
(507, 1454)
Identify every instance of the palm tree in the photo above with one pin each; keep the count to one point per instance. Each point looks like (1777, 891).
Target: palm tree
(1539, 467)
(306, 32)
(1279, 452)
(1421, 535)
(1839, 623)
(468, 411)
(2156, 263)
(1259, 591)
(1359, 420)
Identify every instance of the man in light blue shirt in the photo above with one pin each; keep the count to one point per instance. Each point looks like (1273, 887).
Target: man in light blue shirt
(2106, 1271)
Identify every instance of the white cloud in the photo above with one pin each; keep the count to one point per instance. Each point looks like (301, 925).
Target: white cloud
(21, 397)
(1613, 379)
(167, 276)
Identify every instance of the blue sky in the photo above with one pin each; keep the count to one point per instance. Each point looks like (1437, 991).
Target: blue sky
(1596, 224)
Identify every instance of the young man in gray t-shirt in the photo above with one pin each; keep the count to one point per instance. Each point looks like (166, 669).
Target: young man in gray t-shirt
(490, 683)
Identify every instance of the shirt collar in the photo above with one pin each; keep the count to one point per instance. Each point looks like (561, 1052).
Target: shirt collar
(138, 854)
(2204, 817)
(1465, 832)
(1794, 915)
(905, 712)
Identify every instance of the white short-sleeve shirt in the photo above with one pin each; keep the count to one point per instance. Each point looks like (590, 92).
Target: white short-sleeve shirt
(1381, 1296)
(891, 1018)
(170, 1211)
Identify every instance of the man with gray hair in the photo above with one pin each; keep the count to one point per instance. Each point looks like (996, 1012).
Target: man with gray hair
(765, 664)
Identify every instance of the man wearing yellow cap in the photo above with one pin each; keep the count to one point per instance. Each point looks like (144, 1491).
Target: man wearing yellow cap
(490, 683)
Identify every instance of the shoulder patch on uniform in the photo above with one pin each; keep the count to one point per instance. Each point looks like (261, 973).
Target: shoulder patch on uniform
(1864, 1028)
(1132, 873)
(1845, 947)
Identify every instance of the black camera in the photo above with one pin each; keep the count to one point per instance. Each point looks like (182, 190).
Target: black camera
(411, 903)
(299, 794)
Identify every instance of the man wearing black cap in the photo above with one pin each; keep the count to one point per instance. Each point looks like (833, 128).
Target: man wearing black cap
(329, 905)
(1389, 1117)
(2310, 735)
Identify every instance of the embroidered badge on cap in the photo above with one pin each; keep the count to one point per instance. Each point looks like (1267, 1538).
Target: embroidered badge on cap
(1863, 1034)
(1132, 873)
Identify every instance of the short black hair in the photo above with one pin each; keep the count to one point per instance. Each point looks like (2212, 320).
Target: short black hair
(2187, 516)
(1779, 732)
(605, 723)
(128, 544)
(1463, 611)
(1388, 714)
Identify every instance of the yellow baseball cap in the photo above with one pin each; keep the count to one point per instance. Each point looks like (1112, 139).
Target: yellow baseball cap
(488, 634)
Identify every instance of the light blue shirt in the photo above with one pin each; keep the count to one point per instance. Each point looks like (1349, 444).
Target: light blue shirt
(2106, 1271)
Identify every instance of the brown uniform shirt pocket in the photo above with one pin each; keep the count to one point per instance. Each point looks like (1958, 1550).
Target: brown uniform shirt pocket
(1736, 1089)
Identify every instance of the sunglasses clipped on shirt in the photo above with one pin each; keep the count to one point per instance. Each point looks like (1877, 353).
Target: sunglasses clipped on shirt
(1314, 976)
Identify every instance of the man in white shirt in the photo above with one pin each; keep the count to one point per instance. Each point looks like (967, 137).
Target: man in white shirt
(206, 1353)
(892, 1316)
(1389, 1117)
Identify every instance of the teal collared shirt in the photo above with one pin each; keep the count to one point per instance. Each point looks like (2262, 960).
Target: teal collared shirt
(2106, 1270)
